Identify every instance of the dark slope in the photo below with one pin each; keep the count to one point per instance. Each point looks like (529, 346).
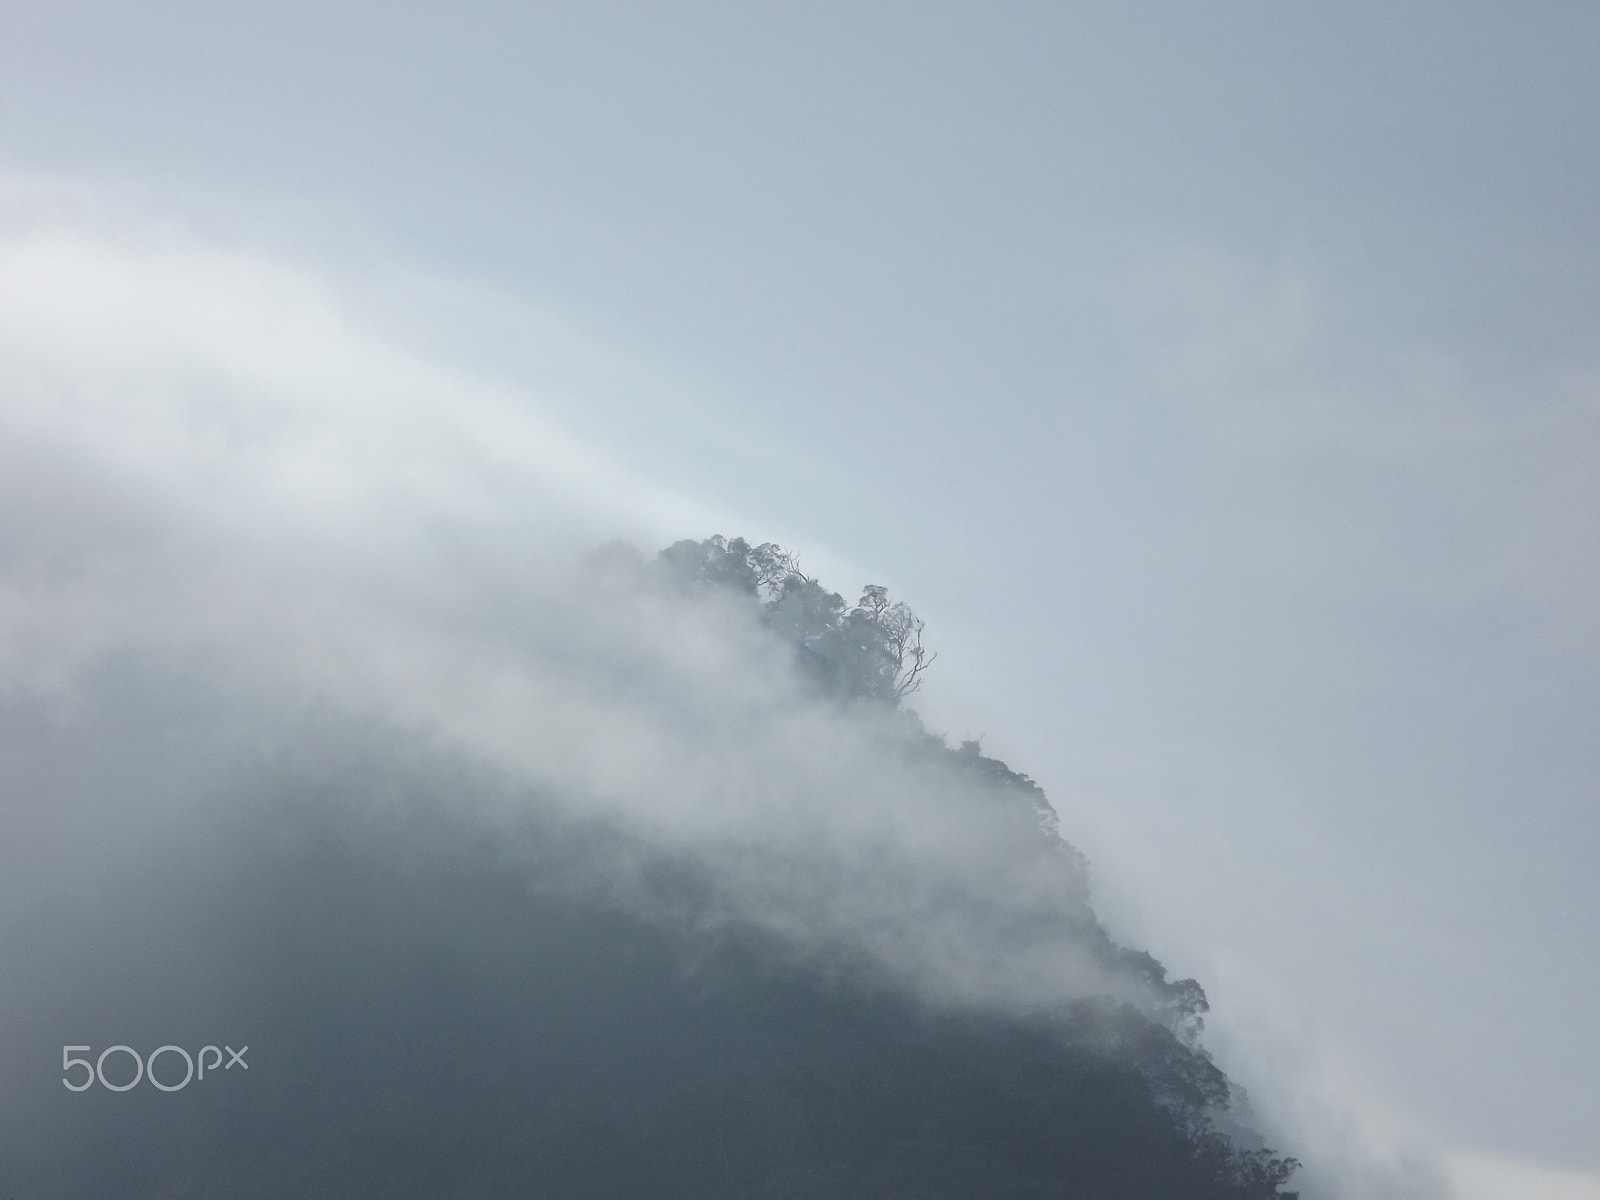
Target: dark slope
(422, 1022)
(445, 1002)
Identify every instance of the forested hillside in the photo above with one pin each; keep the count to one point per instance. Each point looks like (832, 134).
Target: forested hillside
(455, 983)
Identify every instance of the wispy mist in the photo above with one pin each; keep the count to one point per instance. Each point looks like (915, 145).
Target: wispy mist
(287, 608)
(210, 467)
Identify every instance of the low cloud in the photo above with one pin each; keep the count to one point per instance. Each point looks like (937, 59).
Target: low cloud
(255, 550)
(219, 482)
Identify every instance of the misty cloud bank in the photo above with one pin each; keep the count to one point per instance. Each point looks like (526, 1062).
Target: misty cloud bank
(325, 727)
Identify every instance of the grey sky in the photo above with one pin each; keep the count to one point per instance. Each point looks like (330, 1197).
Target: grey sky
(1223, 386)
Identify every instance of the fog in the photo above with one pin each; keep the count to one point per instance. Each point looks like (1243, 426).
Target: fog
(219, 494)
(1219, 384)
(285, 606)
(272, 571)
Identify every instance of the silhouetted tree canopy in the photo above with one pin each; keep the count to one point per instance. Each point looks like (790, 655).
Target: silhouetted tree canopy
(870, 650)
